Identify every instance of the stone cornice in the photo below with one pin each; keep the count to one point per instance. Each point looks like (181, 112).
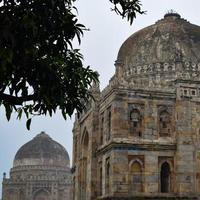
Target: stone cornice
(141, 93)
(38, 167)
(136, 146)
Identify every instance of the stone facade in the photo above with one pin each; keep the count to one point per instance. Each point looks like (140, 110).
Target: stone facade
(141, 136)
(40, 171)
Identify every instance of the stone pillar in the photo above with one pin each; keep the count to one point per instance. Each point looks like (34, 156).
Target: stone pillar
(151, 173)
(185, 161)
(150, 119)
(119, 176)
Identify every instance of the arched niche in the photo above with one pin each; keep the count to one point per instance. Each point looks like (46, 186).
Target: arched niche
(136, 122)
(135, 176)
(11, 194)
(165, 178)
(84, 164)
(85, 143)
(41, 194)
(164, 124)
(107, 175)
(21, 195)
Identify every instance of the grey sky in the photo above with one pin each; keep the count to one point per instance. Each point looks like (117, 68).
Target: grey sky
(100, 47)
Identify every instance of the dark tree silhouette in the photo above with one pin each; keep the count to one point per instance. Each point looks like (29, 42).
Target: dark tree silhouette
(40, 71)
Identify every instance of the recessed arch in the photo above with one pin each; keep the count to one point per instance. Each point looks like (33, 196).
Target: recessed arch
(135, 176)
(84, 164)
(21, 194)
(135, 160)
(164, 123)
(135, 118)
(135, 115)
(41, 194)
(165, 177)
(11, 194)
(107, 175)
(85, 137)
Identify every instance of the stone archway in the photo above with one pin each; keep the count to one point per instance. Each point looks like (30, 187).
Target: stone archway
(84, 165)
(165, 178)
(41, 195)
(136, 176)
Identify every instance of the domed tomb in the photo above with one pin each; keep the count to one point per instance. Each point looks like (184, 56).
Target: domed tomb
(142, 130)
(42, 150)
(41, 170)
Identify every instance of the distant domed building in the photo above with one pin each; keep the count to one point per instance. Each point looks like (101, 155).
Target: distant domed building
(41, 171)
(140, 138)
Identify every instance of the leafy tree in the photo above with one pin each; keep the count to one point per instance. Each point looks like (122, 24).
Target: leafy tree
(40, 71)
(127, 8)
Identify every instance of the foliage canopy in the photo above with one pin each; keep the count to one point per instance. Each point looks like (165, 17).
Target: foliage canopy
(40, 71)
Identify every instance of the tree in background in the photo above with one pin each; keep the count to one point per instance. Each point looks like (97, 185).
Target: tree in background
(40, 71)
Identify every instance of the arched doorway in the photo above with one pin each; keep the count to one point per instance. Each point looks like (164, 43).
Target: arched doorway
(136, 177)
(165, 178)
(11, 194)
(84, 165)
(107, 175)
(41, 195)
(21, 195)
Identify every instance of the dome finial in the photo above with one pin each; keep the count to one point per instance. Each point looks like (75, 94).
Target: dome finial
(172, 13)
(42, 134)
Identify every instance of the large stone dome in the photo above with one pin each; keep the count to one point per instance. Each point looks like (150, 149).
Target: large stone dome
(159, 56)
(168, 40)
(42, 150)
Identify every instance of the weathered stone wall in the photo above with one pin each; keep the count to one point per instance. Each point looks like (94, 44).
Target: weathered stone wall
(151, 149)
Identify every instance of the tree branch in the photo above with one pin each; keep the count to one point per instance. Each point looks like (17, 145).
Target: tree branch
(17, 100)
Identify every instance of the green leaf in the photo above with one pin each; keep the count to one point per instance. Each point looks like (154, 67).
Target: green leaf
(64, 114)
(8, 110)
(19, 116)
(28, 123)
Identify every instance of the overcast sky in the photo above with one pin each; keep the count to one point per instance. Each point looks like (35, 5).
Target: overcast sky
(100, 47)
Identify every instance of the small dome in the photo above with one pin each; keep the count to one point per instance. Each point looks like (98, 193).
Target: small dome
(171, 39)
(42, 150)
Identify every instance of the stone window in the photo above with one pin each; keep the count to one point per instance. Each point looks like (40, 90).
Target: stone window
(100, 178)
(193, 92)
(165, 178)
(101, 128)
(85, 143)
(11, 194)
(41, 195)
(84, 164)
(109, 116)
(135, 176)
(75, 148)
(107, 175)
(136, 123)
(74, 187)
(185, 92)
(164, 124)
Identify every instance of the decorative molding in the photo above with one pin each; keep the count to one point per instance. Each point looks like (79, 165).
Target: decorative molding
(136, 147)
